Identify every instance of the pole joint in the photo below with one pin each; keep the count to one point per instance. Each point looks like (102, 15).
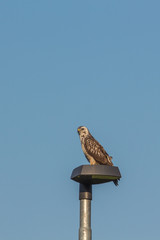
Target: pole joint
(85, 191)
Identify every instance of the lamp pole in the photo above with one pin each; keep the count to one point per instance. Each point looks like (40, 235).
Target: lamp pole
(85, 197)
(86, 175)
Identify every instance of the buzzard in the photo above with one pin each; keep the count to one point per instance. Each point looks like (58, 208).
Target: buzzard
(92, 149)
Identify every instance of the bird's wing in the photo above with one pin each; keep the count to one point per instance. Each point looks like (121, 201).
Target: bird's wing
(94, 149)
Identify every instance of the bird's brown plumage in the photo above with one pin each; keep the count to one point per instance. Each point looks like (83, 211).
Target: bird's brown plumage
(93, 150)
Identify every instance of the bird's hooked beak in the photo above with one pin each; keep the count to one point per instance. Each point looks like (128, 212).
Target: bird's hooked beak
(78, 130)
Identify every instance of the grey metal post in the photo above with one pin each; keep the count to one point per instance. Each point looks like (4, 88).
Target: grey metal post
(87, 175)
(85, 197)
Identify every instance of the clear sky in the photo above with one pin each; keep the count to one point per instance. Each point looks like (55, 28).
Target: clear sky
(69, 63)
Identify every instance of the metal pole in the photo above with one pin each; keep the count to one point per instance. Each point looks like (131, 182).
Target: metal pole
(85, 197)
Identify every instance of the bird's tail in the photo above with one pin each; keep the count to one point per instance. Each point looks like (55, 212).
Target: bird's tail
(116, 182)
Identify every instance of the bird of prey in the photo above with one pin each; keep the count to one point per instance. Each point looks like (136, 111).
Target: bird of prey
(92, 149)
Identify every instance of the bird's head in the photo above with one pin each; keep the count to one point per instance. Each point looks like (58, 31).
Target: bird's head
(82, 131)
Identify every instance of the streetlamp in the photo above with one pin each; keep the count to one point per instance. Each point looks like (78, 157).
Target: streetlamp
(86, 175)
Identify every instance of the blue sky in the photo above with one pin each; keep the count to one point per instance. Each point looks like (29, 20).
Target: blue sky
(70, 63)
